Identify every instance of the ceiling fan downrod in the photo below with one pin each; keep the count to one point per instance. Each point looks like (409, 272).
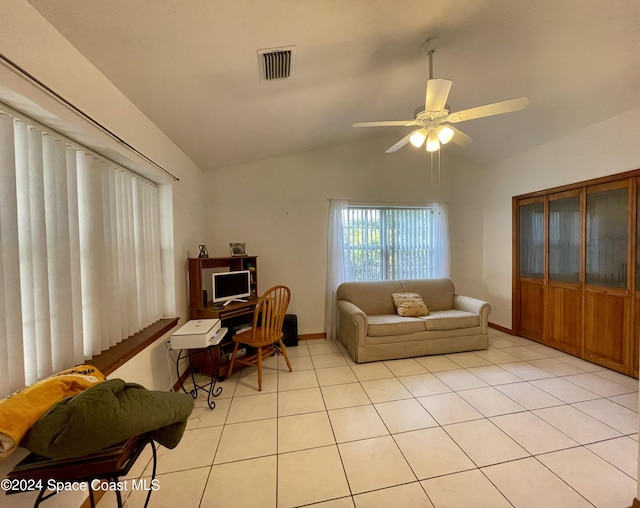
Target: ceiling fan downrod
(429, 47)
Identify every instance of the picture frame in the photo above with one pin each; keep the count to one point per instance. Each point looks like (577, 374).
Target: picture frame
(202, 251)
(238, 249)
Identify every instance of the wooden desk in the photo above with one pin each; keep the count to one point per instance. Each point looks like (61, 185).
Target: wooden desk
(232, 310)
(240, 313)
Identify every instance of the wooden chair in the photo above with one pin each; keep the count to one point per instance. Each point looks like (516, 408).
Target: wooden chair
(265, 336)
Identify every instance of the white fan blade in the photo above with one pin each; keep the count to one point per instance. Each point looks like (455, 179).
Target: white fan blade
(389, 123)
(437, 93)
(497, 108)
(399, 144)
(459, 137)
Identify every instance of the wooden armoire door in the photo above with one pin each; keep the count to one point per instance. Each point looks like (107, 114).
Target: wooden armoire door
(607, 300)
(635, 357)
(563, 302)
(531, 268)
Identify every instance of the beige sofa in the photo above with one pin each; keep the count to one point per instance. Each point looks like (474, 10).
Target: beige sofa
(371, 329)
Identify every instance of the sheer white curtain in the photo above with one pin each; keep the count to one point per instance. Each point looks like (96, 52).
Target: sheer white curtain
(337, 271)
(79, 254)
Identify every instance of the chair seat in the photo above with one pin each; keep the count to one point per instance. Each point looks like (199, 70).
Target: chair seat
(247, 336)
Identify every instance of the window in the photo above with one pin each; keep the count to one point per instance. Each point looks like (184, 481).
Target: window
(384, 243)
(80, 251)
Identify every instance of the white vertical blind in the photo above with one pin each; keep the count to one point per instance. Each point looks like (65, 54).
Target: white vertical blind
(11, 330)
(80, 254)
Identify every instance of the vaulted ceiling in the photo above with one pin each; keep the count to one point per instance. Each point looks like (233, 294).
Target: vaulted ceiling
(192, 67)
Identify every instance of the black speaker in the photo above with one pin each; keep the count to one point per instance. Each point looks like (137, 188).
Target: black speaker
(290, 330)
(205, 298)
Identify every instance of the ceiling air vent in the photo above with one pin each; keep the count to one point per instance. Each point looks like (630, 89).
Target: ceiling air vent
(275, 63)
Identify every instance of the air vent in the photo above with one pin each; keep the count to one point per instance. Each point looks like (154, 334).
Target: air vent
(276, 63)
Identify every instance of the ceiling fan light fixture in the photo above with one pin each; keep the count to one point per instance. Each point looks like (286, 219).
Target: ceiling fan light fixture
(433, 144)
(418, 137)
(435, 119)
(445, 134)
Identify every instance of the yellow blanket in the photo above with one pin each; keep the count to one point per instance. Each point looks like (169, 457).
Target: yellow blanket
(21, 410)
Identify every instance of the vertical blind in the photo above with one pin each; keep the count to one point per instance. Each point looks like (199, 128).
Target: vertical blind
(79, 254)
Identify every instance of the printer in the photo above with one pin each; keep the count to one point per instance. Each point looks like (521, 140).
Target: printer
(198, 333)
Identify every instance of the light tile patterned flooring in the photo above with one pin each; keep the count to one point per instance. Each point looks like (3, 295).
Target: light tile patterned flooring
(518, 425)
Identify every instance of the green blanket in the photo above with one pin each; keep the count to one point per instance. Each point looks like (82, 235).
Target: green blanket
(106, 414)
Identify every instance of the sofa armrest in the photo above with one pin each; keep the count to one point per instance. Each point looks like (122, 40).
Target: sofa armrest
(353, 323)
(475, 306)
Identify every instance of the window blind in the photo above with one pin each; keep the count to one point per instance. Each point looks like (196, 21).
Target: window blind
(80, 252)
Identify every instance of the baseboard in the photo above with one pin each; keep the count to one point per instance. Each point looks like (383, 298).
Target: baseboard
(308, 336)
(501, 329)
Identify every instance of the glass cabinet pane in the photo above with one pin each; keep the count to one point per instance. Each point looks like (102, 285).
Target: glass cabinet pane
(531, 236)
(607, 240)
(564, 239)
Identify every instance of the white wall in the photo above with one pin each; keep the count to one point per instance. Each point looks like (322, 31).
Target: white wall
(602, 149)
(279, 207)
(28, 40)
(465, 227)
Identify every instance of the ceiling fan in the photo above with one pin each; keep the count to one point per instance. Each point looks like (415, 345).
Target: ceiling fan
(434, 119)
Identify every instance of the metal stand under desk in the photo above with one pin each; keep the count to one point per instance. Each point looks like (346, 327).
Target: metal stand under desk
(214, 354)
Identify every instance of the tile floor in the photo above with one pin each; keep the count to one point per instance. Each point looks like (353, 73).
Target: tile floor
(518, 425)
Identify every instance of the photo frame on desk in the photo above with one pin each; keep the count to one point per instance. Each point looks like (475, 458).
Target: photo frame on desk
(238, 249)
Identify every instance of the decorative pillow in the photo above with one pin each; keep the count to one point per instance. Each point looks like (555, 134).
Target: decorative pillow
(409, 304)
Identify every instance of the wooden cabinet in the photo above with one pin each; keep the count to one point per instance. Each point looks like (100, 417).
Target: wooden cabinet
(575, 270)
(233, 315)
(200, 272)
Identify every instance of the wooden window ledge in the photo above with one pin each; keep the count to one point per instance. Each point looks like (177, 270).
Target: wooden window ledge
(117, 355)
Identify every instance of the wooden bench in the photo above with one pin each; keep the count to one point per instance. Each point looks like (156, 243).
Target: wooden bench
(35, 472)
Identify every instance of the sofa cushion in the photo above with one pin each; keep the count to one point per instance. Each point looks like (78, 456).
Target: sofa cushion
(436, 293)
(373, 297)
(450, 320)
(409, 304)
(391, 324)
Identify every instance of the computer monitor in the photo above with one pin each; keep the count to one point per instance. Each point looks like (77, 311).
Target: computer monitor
(231, 286)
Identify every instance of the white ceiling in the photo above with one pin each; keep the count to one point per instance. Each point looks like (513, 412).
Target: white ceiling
(191, 66)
